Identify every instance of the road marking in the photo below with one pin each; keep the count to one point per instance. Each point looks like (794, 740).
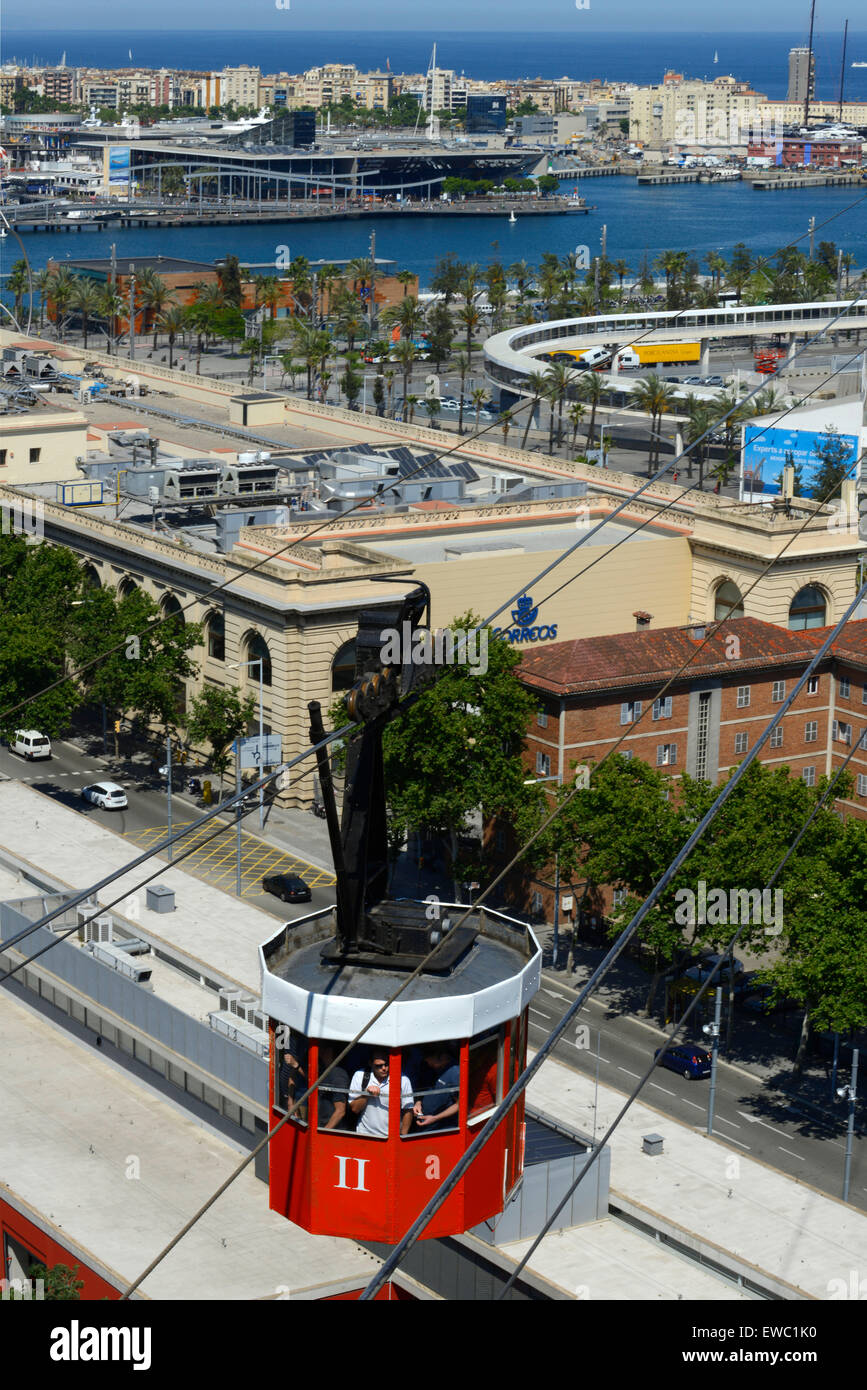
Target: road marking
(630, 1073)
(754, 1120)
(730, 1139)
(692, 1103)
(791, 1155)
(553, 994)
(722, 1119)
(657, 1087)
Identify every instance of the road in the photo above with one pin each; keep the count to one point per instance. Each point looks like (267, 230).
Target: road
(144, 823)
(747, 1116)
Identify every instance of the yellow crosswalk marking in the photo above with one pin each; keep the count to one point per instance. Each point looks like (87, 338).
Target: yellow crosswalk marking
(215, 860)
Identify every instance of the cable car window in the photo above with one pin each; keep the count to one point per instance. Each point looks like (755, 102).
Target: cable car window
(333, 1093)
(290, 1072)
(486, 1072)
(436, 1075)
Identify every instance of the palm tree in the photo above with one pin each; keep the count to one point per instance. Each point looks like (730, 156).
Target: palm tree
(479, 397)
(462, 362)
(43, 282)
(591, 390)
(268, 291)
(576, 414)
(469, 317)
(522, 274)
(85, 298)
(389, 387)
(62, 286)
(311, 344)
(406, 278)
(620, 269)
(173, 321)
(155, 297)
(111, 306)
(558, 378)
(407, 314)
(728, 405)
(18, 284)
(505, 422)
(654, 396)
(404, 356)
(410, 403)
(302, 281)
(350, 322)
(433, 407)
(538, 385)
(702, 415)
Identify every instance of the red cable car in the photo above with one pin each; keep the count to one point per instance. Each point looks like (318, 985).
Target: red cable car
(369, 1148)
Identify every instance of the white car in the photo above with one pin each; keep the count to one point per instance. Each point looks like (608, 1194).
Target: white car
(108, 795)
(31, 744)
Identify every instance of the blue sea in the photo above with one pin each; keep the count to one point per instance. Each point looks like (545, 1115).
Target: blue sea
(760, 58)
(696, 217)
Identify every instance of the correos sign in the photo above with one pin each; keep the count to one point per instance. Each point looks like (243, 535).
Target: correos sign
(525, 629)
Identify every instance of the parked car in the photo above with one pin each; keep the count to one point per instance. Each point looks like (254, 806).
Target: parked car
(31, 744)
(108, 795)
(702, 969)
(714, 381)
(288, 887)
(693, 381)
(691, 1062)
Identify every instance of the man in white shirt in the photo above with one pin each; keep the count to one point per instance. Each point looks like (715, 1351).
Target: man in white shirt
(368, 1099)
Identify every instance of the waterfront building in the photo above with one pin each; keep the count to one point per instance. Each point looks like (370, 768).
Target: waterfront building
(485, 114)
(238, 86)
(687, 111)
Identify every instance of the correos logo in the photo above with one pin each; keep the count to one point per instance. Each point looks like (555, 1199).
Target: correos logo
(524, 617)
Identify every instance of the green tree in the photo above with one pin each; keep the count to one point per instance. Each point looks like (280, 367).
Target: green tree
(351, 381)
(655, 397)
(17, 285)
(85, 299)
(440, 334)
(147, 659)
(229, 276)
(171, 321)
(217, 717)
(60, 1283)
(459, 747)
(835, 464)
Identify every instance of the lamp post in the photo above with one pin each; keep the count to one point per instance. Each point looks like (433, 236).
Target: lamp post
(256, 661)
(530, 782)
(849, 1093)
(712, 1031)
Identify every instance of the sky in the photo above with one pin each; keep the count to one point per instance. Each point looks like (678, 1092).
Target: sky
(445, 15)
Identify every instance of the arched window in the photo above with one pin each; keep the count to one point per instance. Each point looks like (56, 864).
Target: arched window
(171, 608)
(728, 596)
(343, 668)
(257, 648)
(807, 609)
(215, 630)
(126, 587)
(91, 577)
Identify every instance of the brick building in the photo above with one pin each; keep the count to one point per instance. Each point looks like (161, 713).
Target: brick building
(597, 690)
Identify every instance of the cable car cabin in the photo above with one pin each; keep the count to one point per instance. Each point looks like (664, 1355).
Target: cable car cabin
(371, 1146)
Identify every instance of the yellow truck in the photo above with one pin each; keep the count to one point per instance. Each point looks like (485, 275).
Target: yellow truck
(662, 354)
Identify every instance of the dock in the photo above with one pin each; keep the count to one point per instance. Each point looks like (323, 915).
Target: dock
(671, 176)
(785, 181)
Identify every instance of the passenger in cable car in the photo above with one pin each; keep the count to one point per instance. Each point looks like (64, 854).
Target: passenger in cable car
(441, 1102)
(368, 1099)
(332, 1093)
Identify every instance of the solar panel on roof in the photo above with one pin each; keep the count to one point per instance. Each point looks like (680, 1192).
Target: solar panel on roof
(461, 469)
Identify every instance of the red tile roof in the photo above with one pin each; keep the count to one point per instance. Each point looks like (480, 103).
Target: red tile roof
(635, 658)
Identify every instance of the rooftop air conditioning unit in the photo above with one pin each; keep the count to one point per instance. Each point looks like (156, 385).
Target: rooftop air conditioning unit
(98, 930)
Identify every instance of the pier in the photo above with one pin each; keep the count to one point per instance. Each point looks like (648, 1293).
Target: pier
(784, 181)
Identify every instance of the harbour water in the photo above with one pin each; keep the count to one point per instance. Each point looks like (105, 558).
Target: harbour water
(696, 217)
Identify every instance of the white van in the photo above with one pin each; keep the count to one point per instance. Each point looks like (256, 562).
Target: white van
(595, 357)
(30, 743)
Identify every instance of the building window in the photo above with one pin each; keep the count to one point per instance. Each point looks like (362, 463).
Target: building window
(215, 626)
(777, 737)
(808, 775)
(257, 649)
(840, 732)
(778, 693)
(662, 708)
(743, 696)
(845, 688)
(630, 710)
(542, 719)
(811, 731)
(862, 783)
(626, 754)
(343, 672)
(543, 765)
(3, 453)
(537, 903)
(619, 897)
(741, 741)
(666, 754)
(35, 455)
(813, 687)
(807, 609)
(728, 602)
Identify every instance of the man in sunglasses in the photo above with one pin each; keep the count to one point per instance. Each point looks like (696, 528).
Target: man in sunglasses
(368, 1099)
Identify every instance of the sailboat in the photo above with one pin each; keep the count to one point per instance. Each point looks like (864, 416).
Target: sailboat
(716, 55)
(512, 217)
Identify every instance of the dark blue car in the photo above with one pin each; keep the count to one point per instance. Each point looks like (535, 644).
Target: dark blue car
(687, 1060)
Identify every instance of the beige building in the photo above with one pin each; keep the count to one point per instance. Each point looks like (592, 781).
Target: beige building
(42, 445)
(722, 112)
(233, 85)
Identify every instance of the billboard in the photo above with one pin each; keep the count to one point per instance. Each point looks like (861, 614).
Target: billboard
(118, 164)
(766, 453)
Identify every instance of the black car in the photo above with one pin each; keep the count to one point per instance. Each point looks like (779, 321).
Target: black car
(692, 1062)
(288, 887)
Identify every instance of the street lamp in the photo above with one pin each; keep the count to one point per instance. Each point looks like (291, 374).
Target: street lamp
(256, 661)
(712, 1031)
(849, 1093)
